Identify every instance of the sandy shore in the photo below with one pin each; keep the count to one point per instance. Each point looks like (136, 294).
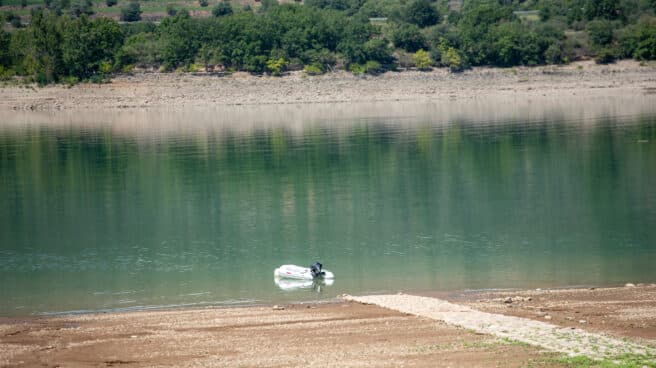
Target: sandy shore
(339, 334)
(172, 91)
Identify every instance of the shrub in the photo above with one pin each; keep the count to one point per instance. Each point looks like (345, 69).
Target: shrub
(313, 69)
(357, 68)
(422, 60)
(221, 9)
(379, 51)
(639, 41)
(131, 12)
(373, 67)
(111, 3)
(171, 10)
(203, 3)
(606, 56)
(16, 22)
(276, 66)
(453, 17)
(453, 60)
(554, 54)
(408, 37)
(6, 74)
(370, 67)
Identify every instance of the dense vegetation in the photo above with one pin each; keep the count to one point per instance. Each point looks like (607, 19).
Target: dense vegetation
(63, 43)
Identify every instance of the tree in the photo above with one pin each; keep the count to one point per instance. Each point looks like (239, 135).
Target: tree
(181, 40)
(474, 28)
(88, 45)
(203, 3)
(45, 46)
(422, 13)
(171, 9)
(131, 12)
(222, 9)
(600, 32)
(23, 4)
(111, 3)
(5, 57)
(606, 9)
(408, 37)
(329, 4)
(80, 7)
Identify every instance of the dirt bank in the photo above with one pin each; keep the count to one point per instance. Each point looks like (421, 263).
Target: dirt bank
(171, 90)
(344, 335)
(339, 334)
(623, 311)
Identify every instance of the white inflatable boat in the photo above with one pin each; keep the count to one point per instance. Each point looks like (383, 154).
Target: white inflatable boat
(292, 284)
(302, 273)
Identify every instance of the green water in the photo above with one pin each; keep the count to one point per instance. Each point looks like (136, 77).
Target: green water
(96, 218)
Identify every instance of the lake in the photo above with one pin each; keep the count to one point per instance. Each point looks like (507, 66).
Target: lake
(138, 210)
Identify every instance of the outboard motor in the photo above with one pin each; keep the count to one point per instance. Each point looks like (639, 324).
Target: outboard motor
(315, 269)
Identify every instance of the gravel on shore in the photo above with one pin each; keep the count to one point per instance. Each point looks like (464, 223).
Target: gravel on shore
(172, 90)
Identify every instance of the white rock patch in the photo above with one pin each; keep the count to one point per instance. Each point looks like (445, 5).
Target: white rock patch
(545, 335)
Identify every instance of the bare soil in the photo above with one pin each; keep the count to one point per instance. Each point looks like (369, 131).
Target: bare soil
(623, 311)
(336, 334)
(184, 90)
(341, 334)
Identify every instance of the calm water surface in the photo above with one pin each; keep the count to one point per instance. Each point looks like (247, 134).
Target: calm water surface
(94, 217)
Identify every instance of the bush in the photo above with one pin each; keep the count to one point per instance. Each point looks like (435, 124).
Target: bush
(606, 56)
(639, 41)
(373, 67)
(422, 60)
(370, 67)
(16, 22)
(131, 12)
(453, 60)
(276, 66)
(23, 4)
(554, 54)
(378, 50)
(203, 3)
(171, 9)
(313, 69)
(6, 74)
(453, 17)
(141, 49)
(111, 3)
(222, 9)
(408, 37)
(357, 68)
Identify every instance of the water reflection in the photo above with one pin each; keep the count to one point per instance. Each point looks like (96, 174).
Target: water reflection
(175, 217)
(296, 285)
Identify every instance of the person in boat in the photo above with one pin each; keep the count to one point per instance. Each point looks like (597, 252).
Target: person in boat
(316, 271)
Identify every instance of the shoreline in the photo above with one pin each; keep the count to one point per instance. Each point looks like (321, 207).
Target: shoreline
(174, 91)
(346, 332)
